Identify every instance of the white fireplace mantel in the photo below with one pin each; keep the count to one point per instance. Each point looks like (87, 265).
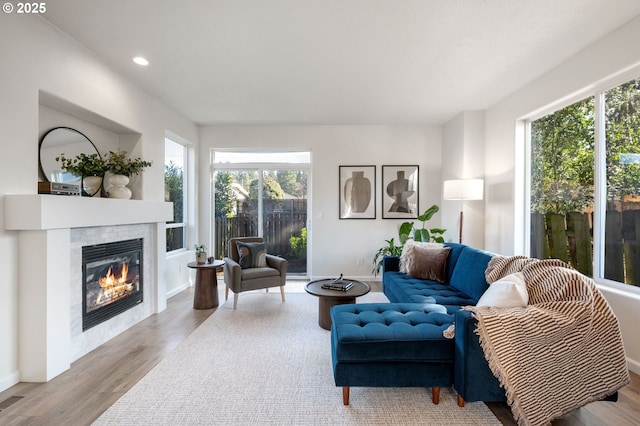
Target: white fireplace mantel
(43, 212)
(45, 224)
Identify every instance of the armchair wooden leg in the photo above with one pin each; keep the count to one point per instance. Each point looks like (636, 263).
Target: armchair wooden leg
(435, 394)
(345, 395)
(226, 292)
(460, 401)
(282, 292)
(235, 301)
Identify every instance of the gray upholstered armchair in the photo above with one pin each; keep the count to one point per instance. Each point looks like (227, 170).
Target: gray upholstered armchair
(249, 267)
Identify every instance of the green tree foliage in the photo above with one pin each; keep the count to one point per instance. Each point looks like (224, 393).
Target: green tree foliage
(562, 159)
(271, 189)
(562, 152)
(226, 198)
(293, 182)
(298, 245)
(174, 187)
(622, 109)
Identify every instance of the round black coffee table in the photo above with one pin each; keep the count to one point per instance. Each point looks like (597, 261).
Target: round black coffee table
(328, 298)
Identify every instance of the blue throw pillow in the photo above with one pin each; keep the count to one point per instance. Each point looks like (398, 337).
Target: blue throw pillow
(252, 255)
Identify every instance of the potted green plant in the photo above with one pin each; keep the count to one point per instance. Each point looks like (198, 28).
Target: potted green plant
(201, 253)
(121, 169)
(404, 233)
(89, 168)
(117, 163)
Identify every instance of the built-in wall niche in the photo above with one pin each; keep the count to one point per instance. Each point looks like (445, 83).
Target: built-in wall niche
(105, 134)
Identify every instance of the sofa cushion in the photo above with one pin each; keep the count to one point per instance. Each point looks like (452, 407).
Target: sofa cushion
(468, 274)
(507, 292)
(252, 255)
(391, 332)
(401, 288)
(429, 263)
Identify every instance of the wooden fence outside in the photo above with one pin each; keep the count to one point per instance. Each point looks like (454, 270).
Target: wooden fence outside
(285, 219)
(570, 238)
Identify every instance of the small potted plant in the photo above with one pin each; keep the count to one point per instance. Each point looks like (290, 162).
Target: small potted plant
(121, 169)
(201, 253)
(90, 168)
(117, 163)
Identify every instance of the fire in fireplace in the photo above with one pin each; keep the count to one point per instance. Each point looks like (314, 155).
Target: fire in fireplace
(112, 277)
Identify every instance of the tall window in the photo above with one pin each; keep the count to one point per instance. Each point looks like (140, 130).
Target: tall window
(575, 211)
(263, 194)
(174, 191)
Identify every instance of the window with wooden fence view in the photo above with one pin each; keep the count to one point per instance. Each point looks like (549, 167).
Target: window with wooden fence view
(564, 185)
(279, 215)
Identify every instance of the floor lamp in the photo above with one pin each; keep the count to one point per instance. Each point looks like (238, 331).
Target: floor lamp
(463, 189)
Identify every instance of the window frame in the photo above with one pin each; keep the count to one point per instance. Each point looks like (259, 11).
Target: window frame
(185, 197)
(597, 91)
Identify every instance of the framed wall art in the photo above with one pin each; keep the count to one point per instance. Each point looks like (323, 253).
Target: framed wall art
(399, 192)
(357, 192)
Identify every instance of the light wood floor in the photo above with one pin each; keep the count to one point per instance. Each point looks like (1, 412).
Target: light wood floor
(97, 380)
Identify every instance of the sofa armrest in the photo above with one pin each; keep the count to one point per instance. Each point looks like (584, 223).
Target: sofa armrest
(390, 263)
(472, 379)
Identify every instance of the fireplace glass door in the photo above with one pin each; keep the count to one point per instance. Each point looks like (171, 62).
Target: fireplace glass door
(112, 275)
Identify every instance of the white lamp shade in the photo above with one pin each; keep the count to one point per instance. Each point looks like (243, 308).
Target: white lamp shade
(463, 189)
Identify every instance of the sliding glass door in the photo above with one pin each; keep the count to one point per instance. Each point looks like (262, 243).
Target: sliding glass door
(269, 201)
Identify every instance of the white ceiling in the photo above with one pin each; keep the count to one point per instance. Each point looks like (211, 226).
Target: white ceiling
(335, 61)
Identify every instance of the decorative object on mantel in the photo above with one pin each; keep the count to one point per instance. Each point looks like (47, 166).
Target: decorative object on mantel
(121, 169)
(89, 168)
(81, 166)
(201, 253)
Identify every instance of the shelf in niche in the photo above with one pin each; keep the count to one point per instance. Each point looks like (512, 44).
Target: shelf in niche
(43, 212)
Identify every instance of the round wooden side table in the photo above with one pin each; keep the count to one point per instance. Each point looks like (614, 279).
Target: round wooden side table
(328, 298)
(206, 291)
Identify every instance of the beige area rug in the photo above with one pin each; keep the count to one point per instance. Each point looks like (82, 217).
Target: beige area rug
(269, 362)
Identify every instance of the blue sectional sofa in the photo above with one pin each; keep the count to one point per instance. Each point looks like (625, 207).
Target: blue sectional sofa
(465, 283)
(369, 340)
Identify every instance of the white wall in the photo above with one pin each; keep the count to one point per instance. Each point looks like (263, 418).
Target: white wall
(463, 158)
(612, 60)
(37, 57)
(334, 244)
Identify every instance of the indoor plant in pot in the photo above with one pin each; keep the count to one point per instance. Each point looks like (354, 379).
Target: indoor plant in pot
(404, 233)
(201, 253)
(89, 168)
(121, 169)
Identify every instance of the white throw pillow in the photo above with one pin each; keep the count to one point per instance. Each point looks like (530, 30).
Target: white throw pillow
(507, 292)
(407, 253)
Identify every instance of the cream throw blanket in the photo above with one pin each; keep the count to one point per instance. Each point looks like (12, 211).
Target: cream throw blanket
(559, 353)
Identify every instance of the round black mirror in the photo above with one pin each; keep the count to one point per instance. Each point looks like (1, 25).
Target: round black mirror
(70, 142)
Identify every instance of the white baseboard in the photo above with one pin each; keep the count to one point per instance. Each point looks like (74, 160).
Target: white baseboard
(177, 290)
(8, 381)
(633, 365)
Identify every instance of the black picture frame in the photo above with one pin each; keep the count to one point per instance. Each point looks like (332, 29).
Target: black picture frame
(357, 192)
(400, 189)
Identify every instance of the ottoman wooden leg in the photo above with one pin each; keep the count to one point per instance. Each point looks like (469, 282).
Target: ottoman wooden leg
(345, 395)
(435, 394)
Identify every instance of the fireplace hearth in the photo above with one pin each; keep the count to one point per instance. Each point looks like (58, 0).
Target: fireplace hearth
(112, 280)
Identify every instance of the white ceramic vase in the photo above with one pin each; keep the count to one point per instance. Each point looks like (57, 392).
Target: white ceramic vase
(118, 187)
(91, 185)
(201, 259)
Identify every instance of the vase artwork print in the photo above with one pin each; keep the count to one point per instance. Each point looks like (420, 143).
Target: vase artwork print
(357, 192)
(399, 192)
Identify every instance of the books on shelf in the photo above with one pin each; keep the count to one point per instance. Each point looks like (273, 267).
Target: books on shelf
(338, 284)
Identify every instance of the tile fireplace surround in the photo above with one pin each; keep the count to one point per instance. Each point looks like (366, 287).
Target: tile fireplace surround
(52, 230)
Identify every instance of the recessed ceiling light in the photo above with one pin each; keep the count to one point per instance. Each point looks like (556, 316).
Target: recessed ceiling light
(140, 61)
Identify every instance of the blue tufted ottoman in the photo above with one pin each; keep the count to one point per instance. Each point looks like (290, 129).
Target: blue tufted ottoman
(391, 345)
